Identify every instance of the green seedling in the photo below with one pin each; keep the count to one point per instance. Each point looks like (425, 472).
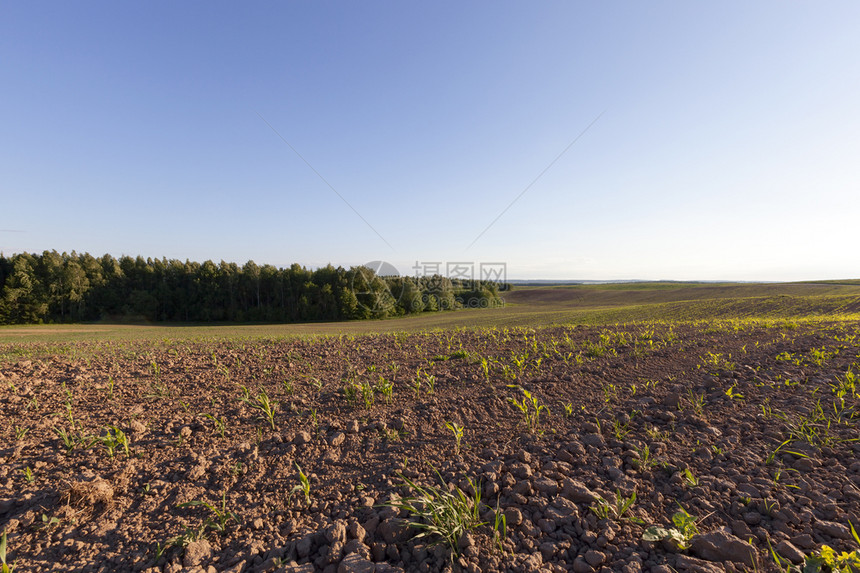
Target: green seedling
(519, 361)
(610, 393)
(646, 460)
(779, 449)
(28, 475)
(71, 441)
(508, 372)
(264, 405)
(220, 516)
(697, 402)
(190, 535)
(485, 368)
(69, 415)
(457, 354)
(770, 506)
(430, 379)
(616, 509)
(730, 392)
(784, 357)
(155, 369)
(48, 522)
(157, 390)
(619, 430)
(500, 528)
(386, 388)
(457, 430)
(315, 422)
(714, 362)
(443, 514)
(220, 426)
(4, 566)
(777, 476)
(689, 479)
(350, 393)
(67, 439)
(571, 359)
(416, 383)
(656, 434)
(568, 409)
(529, 407)
(304, 486)
(367, 394)
(114, 438)
(20, 432)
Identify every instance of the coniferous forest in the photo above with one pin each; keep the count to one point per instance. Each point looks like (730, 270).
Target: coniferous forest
(55, 288)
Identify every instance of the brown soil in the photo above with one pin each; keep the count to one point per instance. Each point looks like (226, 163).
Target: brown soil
(712, 400)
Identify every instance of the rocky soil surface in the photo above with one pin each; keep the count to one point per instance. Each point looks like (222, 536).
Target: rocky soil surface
(746, 434)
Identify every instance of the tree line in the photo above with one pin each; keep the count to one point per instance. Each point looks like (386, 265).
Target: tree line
(54, 287)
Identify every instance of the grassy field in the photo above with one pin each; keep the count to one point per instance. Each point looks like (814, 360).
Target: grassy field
(526, 306)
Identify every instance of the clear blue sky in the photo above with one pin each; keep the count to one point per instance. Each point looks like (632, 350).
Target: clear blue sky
(728, 148)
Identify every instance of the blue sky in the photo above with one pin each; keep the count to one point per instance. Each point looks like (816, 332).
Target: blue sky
(727, 147)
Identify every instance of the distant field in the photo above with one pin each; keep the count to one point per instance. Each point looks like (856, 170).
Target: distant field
(527, 306)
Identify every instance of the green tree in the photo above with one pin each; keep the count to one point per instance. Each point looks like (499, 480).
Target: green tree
(22, 302)
(75, 286)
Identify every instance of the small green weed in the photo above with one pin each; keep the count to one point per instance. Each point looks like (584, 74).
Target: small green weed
(683, 532)
(264, 405)
(827, 559)
(620, 429)
(220, 515)
(442, 512)
(690, 480)
(529, 407)
(616, 509)
(697, 402)
(500, 529)
(730, 392)
(113, 439)
(220, 425)
(386, 388)
(646, 460)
